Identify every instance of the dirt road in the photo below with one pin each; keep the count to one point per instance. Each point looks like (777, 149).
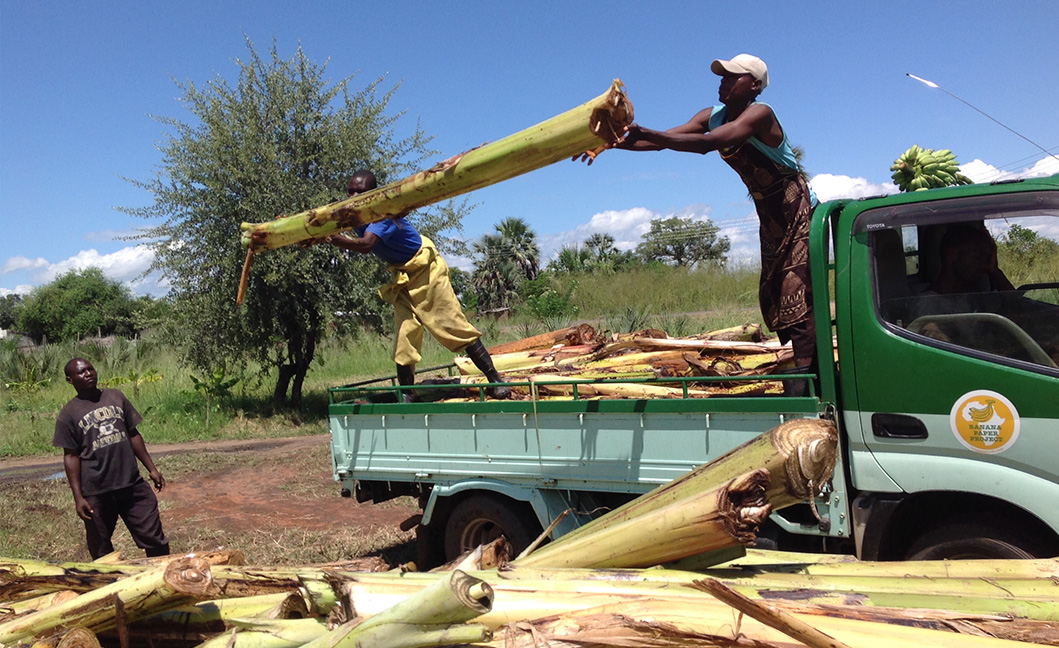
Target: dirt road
(23, 468)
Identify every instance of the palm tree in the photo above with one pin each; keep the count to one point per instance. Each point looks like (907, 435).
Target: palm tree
(506, 259)
(495, 273)
(571, 258)
(601, 246)
(520, 242)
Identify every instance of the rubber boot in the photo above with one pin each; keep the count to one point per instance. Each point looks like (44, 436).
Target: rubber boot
(797, 387)
(480, 357)
(406, 375)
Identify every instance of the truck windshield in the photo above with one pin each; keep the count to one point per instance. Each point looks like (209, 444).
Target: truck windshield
(977, 277)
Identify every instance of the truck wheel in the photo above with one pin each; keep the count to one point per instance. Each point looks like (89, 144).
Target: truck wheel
(480, 519)
(967, 542)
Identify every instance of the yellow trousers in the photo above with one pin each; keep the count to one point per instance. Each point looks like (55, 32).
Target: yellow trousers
(422, 296)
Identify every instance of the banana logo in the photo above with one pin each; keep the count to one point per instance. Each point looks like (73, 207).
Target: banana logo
(982, 414)
(984, 421)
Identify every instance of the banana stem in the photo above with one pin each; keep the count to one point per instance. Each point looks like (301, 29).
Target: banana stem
(596, 124)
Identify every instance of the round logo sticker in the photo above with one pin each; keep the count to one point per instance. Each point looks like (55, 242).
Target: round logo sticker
(984, 421)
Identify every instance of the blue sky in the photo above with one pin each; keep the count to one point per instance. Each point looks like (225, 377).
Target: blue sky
(79, 82)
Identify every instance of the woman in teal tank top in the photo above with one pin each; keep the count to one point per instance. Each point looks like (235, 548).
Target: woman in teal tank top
(752, 142)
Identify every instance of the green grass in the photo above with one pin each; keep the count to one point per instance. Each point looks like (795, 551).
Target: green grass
(1036, 270)
(672, 299)
(676, 300)
(174, 413)
(665, 290)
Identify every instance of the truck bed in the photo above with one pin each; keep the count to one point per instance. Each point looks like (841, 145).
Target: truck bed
(614, 445)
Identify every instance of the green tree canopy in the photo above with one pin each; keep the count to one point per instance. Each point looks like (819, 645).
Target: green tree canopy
(602, 246)
(76, 305)
(519, 241)
(1026, 245)
(461, 285)
(684, 242)
(281, 139)
(9, 305)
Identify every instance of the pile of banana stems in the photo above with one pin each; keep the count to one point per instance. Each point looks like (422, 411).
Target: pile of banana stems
(764, 599)
(613, 582)
(589, 128)
(644, 364)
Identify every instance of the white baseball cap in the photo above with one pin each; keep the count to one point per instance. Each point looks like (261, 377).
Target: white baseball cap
(743, 64)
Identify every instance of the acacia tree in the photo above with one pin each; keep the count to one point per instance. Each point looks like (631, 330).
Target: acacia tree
(684, 242)
(281, 139)
(1027, 246)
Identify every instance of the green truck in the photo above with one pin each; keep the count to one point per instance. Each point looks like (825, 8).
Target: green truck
(947, 407)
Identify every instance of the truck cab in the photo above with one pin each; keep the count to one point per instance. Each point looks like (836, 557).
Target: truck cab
(948, 388)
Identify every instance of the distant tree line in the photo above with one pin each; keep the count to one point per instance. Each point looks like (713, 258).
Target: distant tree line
(507, 273)
(80, 304)
(507, 269)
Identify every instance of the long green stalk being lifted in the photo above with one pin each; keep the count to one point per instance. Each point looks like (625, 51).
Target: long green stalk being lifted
(589, 128)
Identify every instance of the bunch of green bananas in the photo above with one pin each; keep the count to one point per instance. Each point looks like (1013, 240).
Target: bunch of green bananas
(920, 168)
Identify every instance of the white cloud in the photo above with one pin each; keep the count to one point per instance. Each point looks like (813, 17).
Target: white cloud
(126, 265)
(456, 261)
(18, 290)
(628, 226)
(979, 171)
(1044, 167)
(833, 187)
(1046, 226)
(14, 264)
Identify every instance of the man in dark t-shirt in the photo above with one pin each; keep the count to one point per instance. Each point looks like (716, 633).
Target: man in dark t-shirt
(100, 442)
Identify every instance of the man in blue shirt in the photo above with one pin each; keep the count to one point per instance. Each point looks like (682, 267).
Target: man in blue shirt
(421, 293)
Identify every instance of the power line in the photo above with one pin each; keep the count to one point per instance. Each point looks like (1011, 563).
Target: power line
(979, 110)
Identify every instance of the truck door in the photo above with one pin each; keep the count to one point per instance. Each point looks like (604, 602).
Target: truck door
(949, 348)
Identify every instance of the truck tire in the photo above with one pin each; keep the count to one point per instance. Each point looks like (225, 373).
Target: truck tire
(967, 542)
(483, 518)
